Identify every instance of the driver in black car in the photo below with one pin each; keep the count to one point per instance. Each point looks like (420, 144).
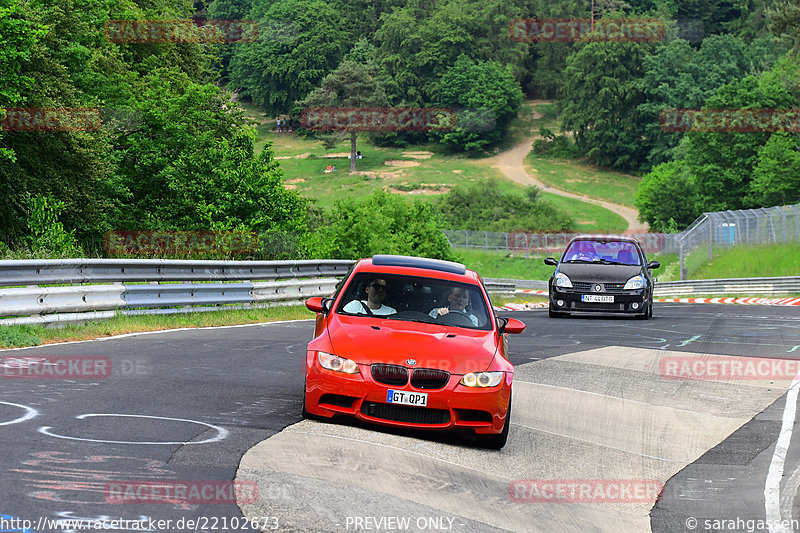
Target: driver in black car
(457, 301)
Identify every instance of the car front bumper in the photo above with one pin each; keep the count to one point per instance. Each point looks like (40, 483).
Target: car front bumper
(358, 395)
(631, 301)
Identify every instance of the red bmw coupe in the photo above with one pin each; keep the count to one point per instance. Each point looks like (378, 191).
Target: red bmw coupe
(412, 342)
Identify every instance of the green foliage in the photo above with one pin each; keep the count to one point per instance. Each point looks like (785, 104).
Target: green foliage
(17, 35)
(418, 43)
(488, 98)
(555, 146)
(600, 103)
(723, 163)
(11, 336)
(47, 237)
(380, 224)
(484, 206)
(667, 198)
(679, 76)
(776, 176)
(275, 73)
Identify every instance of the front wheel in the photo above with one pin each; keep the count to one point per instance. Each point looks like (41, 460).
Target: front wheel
(496, 442)
(647, 313)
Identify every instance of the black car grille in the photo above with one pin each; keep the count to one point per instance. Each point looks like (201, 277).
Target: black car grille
(389, 374)
(581, 285)
(405, 413)
(426, 378)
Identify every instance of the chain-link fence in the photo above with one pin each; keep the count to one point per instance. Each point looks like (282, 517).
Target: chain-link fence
(723, 229)
(538, 244)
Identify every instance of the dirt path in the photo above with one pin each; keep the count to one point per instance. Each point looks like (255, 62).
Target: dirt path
(512, 164)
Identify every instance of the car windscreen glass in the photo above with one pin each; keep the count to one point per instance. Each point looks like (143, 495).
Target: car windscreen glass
(608, 252)
(415, 299)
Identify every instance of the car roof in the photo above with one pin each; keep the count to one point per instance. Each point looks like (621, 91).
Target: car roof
(604, 238)
(419, 266)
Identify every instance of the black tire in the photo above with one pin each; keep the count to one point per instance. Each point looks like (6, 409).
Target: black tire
(650, 309)
(645, 315)
(496, 442)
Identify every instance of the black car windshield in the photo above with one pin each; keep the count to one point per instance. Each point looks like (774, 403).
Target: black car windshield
(415, 299)
(606, 252)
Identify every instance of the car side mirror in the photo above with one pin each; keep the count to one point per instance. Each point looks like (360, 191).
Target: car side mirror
(653, 264)
(510, 325)
(550, 261)
(319, 304)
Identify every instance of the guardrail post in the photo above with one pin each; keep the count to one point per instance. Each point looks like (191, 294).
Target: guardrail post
(681, 262)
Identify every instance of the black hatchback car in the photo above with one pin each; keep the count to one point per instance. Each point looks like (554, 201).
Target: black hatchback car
(603, 275)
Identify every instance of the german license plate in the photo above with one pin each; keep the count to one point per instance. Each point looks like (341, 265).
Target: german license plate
(418, 399)
(597, 298)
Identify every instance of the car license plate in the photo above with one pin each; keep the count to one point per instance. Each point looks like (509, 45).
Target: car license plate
(597, 298)
(418, 399)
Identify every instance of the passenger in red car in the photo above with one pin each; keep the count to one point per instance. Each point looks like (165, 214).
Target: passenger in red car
(376, 294)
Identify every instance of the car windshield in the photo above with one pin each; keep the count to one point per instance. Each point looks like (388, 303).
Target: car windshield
(415, 299)
(607, 252)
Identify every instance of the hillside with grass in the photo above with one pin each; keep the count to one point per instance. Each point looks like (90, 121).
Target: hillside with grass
(427, 172)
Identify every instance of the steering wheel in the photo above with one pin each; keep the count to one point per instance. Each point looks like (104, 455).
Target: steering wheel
(456, 318)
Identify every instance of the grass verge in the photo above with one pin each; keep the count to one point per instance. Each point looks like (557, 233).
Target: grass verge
(16, 336)
(501, 264)
(585, 180)
(746, 261)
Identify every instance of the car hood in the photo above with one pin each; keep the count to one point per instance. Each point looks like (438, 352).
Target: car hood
(371, 340)
(599, 272)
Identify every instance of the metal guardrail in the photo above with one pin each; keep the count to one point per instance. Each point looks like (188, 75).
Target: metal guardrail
(71, 271)
(749, 286)
(101, 288)
(136, 287)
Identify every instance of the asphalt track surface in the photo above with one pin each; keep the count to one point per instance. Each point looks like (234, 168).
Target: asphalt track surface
(591, 403)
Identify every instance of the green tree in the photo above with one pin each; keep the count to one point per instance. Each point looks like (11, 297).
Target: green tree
(600, 103)
(352, 84)
(275, 73)
(485, 206)
(418, 43)
(383, 223)
(723, 162)
(679, 76)
(667, 197)
(784, 19)
(18, 34)
(776, 177)
(486, 96)
(192, 165)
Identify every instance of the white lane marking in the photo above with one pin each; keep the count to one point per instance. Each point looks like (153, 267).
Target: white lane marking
(612, 397)
(772, 488)
(221, 432)
(681, 461)
(31, 412)
(123, 335)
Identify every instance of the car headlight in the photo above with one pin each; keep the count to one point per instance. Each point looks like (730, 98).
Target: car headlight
(636, 282)
(337, 364)
(563, 281)
(482, 379)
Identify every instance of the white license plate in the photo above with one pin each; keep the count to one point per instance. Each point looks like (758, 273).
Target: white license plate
(597, 298)
(418, 399)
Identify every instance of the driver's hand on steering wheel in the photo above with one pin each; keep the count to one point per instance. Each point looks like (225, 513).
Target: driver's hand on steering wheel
(442, 311)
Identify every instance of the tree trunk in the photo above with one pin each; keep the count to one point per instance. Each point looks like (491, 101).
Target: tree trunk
(353, 152)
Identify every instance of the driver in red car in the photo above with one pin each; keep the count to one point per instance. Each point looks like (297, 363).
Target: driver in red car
(457, 300)
(376, 294)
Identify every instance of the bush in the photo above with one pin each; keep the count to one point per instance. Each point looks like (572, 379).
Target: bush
(484, 207)
(383, 223)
